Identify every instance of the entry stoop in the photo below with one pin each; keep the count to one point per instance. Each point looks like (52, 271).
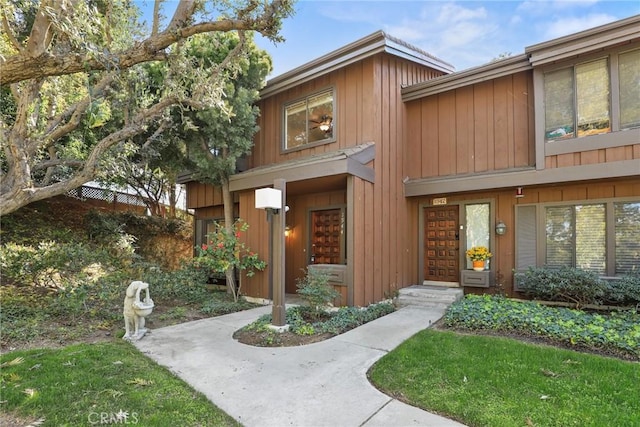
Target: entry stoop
(429, 296)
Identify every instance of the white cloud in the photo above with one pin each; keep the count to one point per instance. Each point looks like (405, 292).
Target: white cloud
(564, 26)
(451, 13)
(542, 7)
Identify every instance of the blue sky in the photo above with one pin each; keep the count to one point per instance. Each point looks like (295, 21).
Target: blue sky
(462, 33)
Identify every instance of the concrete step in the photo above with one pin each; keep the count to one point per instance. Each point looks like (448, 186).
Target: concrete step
(429, 296)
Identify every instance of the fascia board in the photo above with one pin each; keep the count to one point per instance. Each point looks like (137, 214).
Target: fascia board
(468, 77)
(520, 178)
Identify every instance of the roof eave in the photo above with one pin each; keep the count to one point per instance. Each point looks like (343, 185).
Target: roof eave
(490, 71)
(366, 47)
(602, 37)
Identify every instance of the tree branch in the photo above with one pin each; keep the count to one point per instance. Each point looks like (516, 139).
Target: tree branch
(41, 64)
(7, 29)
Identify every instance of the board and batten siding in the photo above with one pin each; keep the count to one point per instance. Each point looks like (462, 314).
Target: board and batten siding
(603, 155)
(368, 108)
(483, 127)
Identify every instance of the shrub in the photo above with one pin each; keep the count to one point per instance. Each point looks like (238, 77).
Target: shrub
(315, 291)
(51, 264)
(624, 291)
(564, 284)
(186, 284)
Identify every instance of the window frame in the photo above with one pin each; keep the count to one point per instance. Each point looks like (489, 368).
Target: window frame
(617, 137)
(329, 90)
(540, 231)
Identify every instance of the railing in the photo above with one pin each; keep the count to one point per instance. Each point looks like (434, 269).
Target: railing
(106, 195)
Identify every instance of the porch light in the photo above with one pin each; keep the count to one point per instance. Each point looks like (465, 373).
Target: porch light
(501, 228)
(519, 193)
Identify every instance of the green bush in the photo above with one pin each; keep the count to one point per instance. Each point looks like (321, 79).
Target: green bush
(618, 331)
(623, 291)
(187, 284)
(315, 291)
(52, 264)
(337, 322)
(563, 284)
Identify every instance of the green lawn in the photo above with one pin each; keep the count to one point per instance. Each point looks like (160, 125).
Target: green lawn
(493, 382)
(108, 383)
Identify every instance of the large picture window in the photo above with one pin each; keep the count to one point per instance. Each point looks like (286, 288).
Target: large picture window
(602, 237)
(576, 237)
(309, 120)
(578, 99)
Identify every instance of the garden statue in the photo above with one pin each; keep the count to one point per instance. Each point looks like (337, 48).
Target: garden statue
(135, 310)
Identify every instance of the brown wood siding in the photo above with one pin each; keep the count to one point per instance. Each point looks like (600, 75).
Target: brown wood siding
(257, 239)
(202, 195)
(503, 248)
(483, 127)
(359, 103)
(368, 108)
(604, 155)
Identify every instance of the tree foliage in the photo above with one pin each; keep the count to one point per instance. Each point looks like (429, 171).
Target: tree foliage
(75, 92)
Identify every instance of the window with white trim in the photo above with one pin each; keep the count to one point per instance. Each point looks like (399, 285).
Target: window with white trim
(584, 99)
(309, 120)
(603, 237)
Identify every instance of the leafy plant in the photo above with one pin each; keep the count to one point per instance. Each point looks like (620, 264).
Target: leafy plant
(225, 250)
(623, 291)
(302, 322)
(618, 332)
(315, 291)
(563, 284)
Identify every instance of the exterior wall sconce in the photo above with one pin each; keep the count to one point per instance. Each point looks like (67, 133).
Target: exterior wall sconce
(287, 231)
(501, 228)
(519, 193)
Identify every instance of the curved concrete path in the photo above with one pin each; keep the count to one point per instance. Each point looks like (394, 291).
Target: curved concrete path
(321, 384)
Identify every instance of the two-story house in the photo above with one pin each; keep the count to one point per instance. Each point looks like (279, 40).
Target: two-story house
(395, 165)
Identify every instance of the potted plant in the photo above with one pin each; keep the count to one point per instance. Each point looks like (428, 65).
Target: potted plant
(478, 255)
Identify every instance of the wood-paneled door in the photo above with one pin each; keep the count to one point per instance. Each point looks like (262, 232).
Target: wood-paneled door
(327, 236)
(441, 244)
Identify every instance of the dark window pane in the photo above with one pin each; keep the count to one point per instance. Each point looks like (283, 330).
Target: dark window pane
(629, 74)
(591, 238)
(296, 120)
(592, 86)
(310, 120)
(558, 102)
(560, 237)
(627, 229)
(321, 117)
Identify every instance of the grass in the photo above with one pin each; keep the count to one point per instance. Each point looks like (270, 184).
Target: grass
(89, 384)
(493, 381)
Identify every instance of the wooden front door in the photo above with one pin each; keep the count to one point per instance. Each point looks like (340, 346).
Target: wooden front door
(441, 244)
(327, 231)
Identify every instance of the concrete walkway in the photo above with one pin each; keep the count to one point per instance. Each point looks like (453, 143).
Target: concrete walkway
(320, 384)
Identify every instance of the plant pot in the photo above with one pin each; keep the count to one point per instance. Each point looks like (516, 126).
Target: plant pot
(478, 265)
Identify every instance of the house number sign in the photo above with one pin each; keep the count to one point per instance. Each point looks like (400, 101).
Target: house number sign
(439, 201)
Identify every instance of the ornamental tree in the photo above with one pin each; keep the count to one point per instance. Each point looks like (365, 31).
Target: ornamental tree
(225, 251)
(73, 89)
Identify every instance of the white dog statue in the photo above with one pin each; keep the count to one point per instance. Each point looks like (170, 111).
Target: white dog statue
(136, 310)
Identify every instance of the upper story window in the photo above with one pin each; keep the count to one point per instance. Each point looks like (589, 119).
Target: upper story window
(593, 97)
(309, 120)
